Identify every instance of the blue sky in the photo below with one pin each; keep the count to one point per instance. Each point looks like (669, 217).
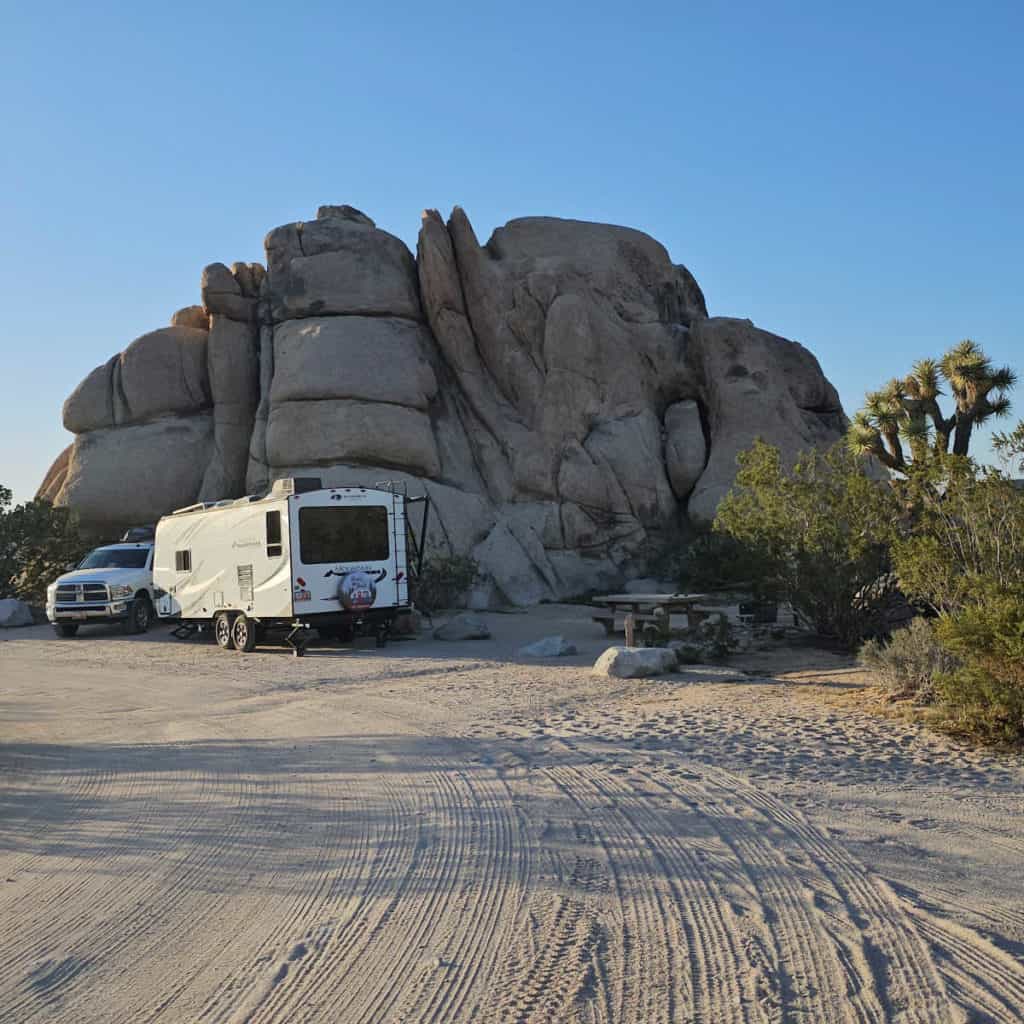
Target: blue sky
(846, 175)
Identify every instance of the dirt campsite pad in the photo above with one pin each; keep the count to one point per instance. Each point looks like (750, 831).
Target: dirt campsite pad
(450, 832)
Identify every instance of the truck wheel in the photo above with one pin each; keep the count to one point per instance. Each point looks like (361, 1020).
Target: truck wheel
(140, 615)
(243, 633)
(66, 629)
(222, 631)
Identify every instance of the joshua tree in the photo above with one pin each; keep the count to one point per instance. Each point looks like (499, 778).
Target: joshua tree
(908, 409)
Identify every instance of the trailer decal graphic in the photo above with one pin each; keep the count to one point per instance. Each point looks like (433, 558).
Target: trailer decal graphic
(375, 574)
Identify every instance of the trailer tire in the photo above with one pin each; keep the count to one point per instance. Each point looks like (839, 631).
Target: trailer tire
(222, 631)
(243, 633)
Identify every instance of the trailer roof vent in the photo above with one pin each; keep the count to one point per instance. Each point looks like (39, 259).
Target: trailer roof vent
(296, 485)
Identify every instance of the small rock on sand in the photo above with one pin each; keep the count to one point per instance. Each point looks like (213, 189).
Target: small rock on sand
(14, 613)
(548, 647)
(635, 662)
(463, 627)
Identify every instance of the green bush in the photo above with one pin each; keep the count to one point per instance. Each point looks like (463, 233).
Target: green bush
(443, 580)
(911, 662)
(818, 535)
(718, 561)
(37, 543)
(984, 697)
(966, 538)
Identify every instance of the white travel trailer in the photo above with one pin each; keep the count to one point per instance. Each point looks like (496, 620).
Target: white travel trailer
(302, 557)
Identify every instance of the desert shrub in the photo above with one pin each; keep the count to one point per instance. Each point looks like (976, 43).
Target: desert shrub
(964, 556)
(984, 696)
(716, 561)
(819, 535)
(966, 539)
(37, 543)
(442, 580)
(911, 662)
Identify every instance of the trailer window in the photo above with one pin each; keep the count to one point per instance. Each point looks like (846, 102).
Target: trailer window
(345, 534)
(273, 534)
(183, 561)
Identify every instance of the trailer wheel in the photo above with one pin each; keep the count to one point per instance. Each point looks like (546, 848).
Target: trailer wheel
(243, 633)
(222, 631)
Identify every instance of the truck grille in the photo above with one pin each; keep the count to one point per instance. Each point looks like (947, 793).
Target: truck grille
(73, 593)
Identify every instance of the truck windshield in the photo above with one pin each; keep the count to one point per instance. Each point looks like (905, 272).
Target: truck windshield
(115, 558)
(343, 534)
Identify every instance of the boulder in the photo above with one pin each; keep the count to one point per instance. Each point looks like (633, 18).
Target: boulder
(373, 359)
(516, 576)
(548, 647)
(339, 265)
(756, 385)
(191, 316)
(223, 293)
(233, 371)
(463, 627)
(161, 372)
(649, 585)
(559, 391)
(53, 482)
(372, 433)
(686, 450)
(407, 624)
(14, 613)
(122, 476)
(635, 662)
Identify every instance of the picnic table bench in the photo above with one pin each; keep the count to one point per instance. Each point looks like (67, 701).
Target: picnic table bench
(648, 608)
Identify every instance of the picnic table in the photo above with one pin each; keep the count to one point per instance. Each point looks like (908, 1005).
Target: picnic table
(645, 608)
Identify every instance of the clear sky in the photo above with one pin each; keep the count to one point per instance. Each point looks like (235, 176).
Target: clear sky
(847, 175)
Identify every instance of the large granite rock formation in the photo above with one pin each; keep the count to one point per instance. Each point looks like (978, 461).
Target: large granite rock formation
(560, 392)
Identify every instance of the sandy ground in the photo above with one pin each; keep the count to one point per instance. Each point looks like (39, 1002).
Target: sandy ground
(446, 832)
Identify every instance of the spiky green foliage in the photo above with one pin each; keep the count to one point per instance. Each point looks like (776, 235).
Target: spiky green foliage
(967, 535)
(37, 543)
(908, 409)
(984, 697)
(819, 535)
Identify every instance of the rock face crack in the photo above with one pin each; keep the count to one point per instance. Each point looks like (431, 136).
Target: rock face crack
(559, 389)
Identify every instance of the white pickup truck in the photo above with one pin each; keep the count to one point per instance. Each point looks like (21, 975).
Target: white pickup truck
(111, 584)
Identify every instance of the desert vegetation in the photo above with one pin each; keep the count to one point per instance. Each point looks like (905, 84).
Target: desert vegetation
(940, 531)
(37, 543)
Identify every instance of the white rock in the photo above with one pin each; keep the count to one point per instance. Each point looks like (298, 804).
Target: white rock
(372, 359)
(548, 647)
(463, 627)
(14, 613)
(635, 662)
(685, 447)
(515, 573)
(126, 475)
(342, 431)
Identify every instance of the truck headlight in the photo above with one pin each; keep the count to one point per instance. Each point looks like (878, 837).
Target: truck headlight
(119, 591)
(51, 593)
